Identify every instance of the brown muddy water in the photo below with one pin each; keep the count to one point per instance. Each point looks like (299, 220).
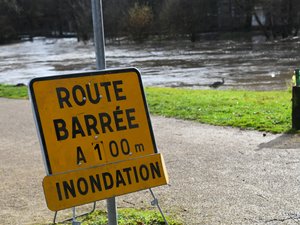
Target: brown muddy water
(255, 65)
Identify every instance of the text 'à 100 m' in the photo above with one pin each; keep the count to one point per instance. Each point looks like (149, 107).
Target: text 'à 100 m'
(115, 149)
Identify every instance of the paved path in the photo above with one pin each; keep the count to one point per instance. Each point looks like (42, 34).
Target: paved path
(217, 175)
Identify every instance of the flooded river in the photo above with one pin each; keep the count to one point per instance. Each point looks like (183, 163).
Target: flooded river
(243, 65)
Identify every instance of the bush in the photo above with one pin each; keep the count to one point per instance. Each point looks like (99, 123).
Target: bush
(140, 19)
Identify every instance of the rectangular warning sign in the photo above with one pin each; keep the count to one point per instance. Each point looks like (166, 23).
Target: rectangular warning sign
(79, 187)
(91, 119)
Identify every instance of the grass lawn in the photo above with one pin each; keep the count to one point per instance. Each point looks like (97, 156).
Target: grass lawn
(264, 111)
(268, 111)
(11, 91)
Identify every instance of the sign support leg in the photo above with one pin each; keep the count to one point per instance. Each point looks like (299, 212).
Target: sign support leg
(54, 219)
(55, 214)
(74, 222)
(155, 202)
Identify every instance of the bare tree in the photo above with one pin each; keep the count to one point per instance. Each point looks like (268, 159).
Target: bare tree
(190, 17)
(81, 17)
(281, 17)
(8, 14)
(115, 13)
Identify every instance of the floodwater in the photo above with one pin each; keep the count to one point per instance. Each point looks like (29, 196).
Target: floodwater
(254, 65)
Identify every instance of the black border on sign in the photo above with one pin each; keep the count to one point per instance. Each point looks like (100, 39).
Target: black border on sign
(91, 73)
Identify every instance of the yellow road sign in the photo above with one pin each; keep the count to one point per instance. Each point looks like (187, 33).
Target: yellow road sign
(91, 119)
(83, 186)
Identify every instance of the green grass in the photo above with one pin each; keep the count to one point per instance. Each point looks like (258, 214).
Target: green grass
(11, 91)
(268, 111)
(264, 111)
(129, 217)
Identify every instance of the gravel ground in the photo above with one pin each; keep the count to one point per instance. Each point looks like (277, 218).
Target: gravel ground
(218, 175)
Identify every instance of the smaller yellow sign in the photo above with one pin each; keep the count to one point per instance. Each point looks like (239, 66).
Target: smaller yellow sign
(83, 186)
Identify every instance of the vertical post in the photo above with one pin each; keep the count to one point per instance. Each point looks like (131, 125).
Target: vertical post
(296, 108)
(296, 101)
(297, 77)
(100, 62)
(98, 33)
(112, 211)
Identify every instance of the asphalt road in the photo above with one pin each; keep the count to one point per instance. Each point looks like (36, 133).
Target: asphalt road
(218, 175)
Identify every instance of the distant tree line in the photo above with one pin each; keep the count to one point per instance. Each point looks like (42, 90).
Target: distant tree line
(139, 19)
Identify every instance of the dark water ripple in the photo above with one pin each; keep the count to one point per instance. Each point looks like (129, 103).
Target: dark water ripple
(244, 65)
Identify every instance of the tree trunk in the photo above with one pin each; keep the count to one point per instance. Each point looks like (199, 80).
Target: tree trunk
(261, 26)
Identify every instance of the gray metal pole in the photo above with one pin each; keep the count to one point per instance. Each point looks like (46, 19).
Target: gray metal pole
(112, 211)
(100, 62)
(98, 33)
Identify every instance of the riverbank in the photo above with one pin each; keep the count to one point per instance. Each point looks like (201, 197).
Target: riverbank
(268, 111)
